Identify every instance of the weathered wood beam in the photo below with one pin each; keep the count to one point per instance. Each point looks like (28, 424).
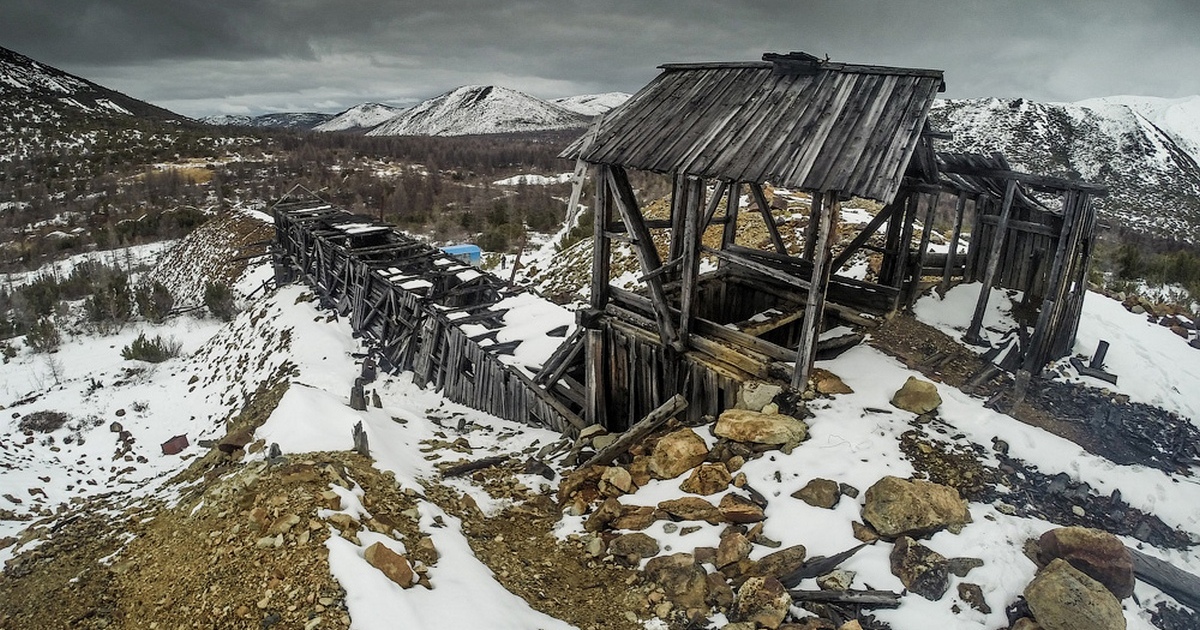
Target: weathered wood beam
(640, 429)
(766, 270)
(960, 209)
(914, 289)
(814, 308)
(714, 203)
(1051, 184)
(646, 252)
(690, 255)
(732, 205)
(601, 244)
(810, 231)
(989, 272)
(867, 232)
(595, 386)
(760, 199)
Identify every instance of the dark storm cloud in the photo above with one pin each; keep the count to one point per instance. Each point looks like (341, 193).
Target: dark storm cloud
(200, 57)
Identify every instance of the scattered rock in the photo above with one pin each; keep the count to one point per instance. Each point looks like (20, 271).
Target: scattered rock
(917, 396)
(821, 493)
(829, 383)
(762, 600)
(1098, 554)
(836, 580)
(676, 453)
(635, 544)
(734, 548)
(392, 564)
(608, 511)
(683, 581)
(755, 395)
(848, 490)
(972, 594)
(707, 479)
(962, 566)
(635, 517)
(864, 532)
(738, 509)
(742, 425)
(116, 427)
(720, 594)
(615, 480)
(921, 570)
(1062, 597)
(692, 509)
(898, 507)
(780, 563)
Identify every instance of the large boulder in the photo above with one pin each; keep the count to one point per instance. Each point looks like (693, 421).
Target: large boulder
(1062, 597)
(779, 564)
(676, 453)
(921, 570)
(753, 427)
(897, 507)
(917, 396)
(1099, 554)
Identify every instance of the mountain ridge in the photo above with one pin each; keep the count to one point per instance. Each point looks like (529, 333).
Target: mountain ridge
(479, 109)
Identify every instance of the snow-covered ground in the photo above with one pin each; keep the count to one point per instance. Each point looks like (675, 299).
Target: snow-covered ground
(848, 444)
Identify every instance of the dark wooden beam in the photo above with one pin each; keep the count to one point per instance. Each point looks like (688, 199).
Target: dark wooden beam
(989, 272)
(867, 232)
(1052, 184)
(690, 254)
(814, 308)
(644, 248)
(914, 289)
(960, 209)
(760, 199)
(601, 244)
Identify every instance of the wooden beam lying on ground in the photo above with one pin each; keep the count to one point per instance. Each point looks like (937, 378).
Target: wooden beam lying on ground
(639, 431)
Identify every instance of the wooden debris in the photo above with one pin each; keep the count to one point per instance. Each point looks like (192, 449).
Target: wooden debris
(638, 431)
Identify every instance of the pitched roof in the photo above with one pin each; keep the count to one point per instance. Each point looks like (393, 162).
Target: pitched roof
(793, 120)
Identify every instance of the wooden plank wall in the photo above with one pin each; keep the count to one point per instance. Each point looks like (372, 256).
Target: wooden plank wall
(1028, 252)
(410, 331)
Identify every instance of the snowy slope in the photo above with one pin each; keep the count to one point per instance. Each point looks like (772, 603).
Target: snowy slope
(1154, 182)
(364, 116)
(479, 109)
(592, 104)
(1178, 118)
(24, 81)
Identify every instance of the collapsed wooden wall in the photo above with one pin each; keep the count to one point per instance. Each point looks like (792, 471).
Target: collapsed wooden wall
(423, 310)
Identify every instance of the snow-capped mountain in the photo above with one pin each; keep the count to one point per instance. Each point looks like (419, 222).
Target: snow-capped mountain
(592, 104)
(479, 109)
(33, 89)
(359, 118)
(1153, 179)
(301, 121)
(1178, 118)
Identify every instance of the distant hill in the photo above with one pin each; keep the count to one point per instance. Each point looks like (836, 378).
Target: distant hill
(300, 121)
(29, 88)
(592, 104)
(359, 118)
(479, 109)
(1149, 168)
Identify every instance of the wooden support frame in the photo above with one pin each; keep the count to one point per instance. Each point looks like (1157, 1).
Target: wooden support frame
(692, 231)
(960, 209)
(760, 199)
(989, 273)
(814, 308)
(914, 289)
(601, 243)
(643, 246)
(867, 232)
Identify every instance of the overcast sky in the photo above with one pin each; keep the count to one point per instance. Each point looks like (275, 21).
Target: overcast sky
(202, 57)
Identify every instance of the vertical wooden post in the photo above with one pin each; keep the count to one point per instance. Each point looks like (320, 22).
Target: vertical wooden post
(678, 212)
(989, 272)
(960, 209)
(814, 305)
(729, 236)
(1043, 331)
(891, 239)
(971, 267)
(691, 257)
(595, 387)
(810, 231)
(601, 245)
(914, 289)
(904, 247)
(643, 246)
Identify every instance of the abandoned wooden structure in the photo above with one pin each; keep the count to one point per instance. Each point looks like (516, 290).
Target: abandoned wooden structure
(723, 132)
(426, 311)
